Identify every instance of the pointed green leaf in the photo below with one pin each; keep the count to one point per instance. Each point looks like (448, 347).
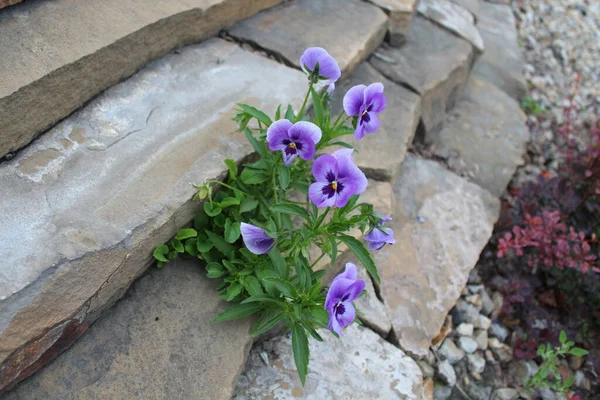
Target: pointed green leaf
(282, 285)
(186, 234)
(248, 205)
(266, 322)
(289, 113)
(160, 252)
(225, 248)
(228, 202)
(215, 270)
(362, 254)
(279, 262)
(232, 167)
(292, 209)
(232, 231)
(563, 337)
(579, 352)
(178, 246)
(284, 176)
(256, 113)
(252, 285)
(300, 351)
(252, 176)
(238, 311)
(233, 290)
(212, 209)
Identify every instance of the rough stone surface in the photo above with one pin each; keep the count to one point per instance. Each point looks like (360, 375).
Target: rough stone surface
(157, 343)
(476, 363)
(467, 344)
(381, 154)
(501, 64)
(450, 352)
(294, 26)
(424, 273)
(454, 17)
(446, 373)
(434, 63)
(401, 14)
(360, 365)
(6, 3)
(91, 199)
(484, 137)
(50, 69)
(471, 5)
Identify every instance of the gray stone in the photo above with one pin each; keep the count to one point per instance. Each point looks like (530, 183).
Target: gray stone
(481, 337)
(401, 15)
(449, 351)
(446, 373)
(471, 5)
(505, 394)
(487, 304)
(502, 351)
(421, 278)
(482, 322)
(467, 344)
(465, 329)
(520, 371)
(474, 277)
(442, 392)
(6, 3)
(291, 28)
(484, 137)
(499, 331)
(50, 69)
(91, 199)
(464, 312)
(476, 363)
(434, 63)
(359, 365)
(453, 17)
(381, 154)
(157, 343)
(501, 64)
(428, 371)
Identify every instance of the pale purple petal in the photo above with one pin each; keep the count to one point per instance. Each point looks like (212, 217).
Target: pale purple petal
(379, 237)
(323, 166)
(318, 197)
(289, 157)
(330, 89)
(338, 291)
(372, 90)
(348, 172)
(305, 128)
(369, 123)
(354, 291)
(383, 218)
(342, 196)
(341, 153)
(348, 315)
(277, 132)
(328, 67)
(256, 239)
(354, 99)
(350, 272)
(378, 103)
(334, 325)
(306, 148)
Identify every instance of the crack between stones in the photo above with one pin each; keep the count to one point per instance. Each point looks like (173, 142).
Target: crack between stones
(390, 78)
(268, 53)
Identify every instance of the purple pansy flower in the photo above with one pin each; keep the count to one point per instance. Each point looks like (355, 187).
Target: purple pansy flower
(338, 178)
(344, 289)
(380, 236)
(294, 140)
(256, 239)
(327, 69)
(365, 102)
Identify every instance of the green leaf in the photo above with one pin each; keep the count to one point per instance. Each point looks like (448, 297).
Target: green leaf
(248, 205)
(186, 234)
(300, 350)
(215, 270)
(252, 285)
(238, 311)
(289, 113)
(262, 299)
(362, 254)
(342, 144)
(317, 106)
(233, 168)
(266, 322)
(203, 244)
(292, 209)
(253, 177)
(212, 209)
(279, 262)
(579, 352)
(300, 186)
(201, 221)
(320, 315)
(256, 113)
(178, 246)
(334, 250)
(282, 285)
(563, 337)
(313, 333)
(233, 290)
(232, 231)
(303, 274)
(190, 247)
(228, 202)
(284, 176)
(225, 248)
(160, 252)
(278, 113)
(259, 147)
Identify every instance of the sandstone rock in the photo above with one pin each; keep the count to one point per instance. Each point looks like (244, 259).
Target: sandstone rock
(428, 389)
(476, 363)
(449, 351)
(502, 351)
(401, 14)
(50, 69)
(158, 342)
(465, 329)
(288, 30)
(91, 199)
(380, 155)
(481, 337)
(359, 365)
(471, 5)
(467, 344)
(501, 64)
(485, 136)
(454, 17)
(421, 277)
(446, 373)
(434, 63)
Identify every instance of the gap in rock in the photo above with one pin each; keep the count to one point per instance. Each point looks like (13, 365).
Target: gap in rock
(250, 45)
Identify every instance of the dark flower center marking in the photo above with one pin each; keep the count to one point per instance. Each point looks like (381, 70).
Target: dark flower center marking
(340, 309)
(292, 147)
(333, 186)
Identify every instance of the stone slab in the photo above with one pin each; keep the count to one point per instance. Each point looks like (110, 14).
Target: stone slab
(157, 343)
(401, 14)
(6, 3)
(294, 26)
(471, 5)
(484, 137)
(453, 17)
(501, 63)
(433, 63)
(50, 69)
(360, 365)
(380, 154)
(441, 224)
(90, 199)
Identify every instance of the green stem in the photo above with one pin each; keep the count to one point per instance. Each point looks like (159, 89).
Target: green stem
(342, 123)
(317, 260)
(338, 119)
(304, 103)
(275, 191)
(230, 187)
(322, 219)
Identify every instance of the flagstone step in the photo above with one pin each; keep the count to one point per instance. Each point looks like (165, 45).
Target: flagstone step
(400, 13)
(90, 199)
(433, 63)
(484, 137)
(379, 155)
(56, 55)
(359, 365)
(348, 29)
(441, 222)
(158, 342)
(501, 63)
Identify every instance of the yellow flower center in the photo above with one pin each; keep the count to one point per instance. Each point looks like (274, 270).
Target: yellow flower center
(334, 185)
(292, 145)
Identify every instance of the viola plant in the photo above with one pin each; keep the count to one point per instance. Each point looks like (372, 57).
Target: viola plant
(263, 230)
